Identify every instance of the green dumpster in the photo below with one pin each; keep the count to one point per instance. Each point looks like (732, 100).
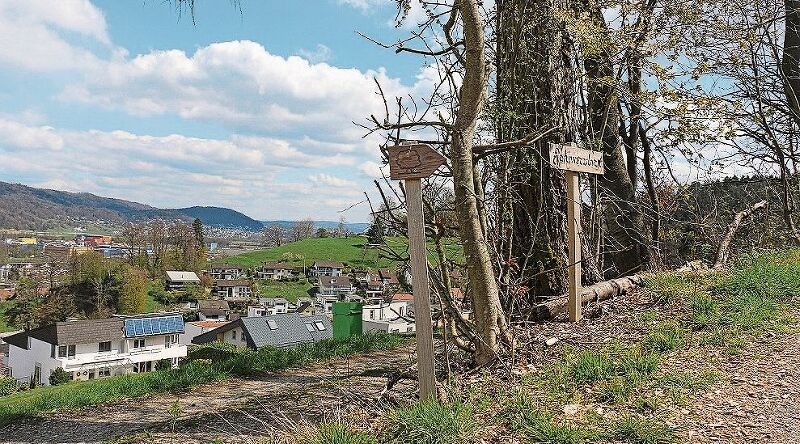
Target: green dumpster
(346, 319)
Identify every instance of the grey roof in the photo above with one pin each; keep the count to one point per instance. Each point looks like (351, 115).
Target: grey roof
(73, 332)
(335, 281)
(208, 304)
(328, 264)
(232, 283)
(290, 330)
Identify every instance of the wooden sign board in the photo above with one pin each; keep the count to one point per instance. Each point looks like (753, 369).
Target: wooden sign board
(572, 158)
(413, 161)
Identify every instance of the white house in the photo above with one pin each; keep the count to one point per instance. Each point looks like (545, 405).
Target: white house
(179, 280)
(238, 289)
(226, 272)
(97, 348)
(197, 328)
(326, 268)
(276, 271)
(394, 316)
(269, 306)
(325, 303)
(335, 285)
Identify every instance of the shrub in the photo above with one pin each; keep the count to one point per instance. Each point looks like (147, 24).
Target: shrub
(640, 431)
(59, 376)
(431, 422)
(536, 426)
(8, 386)
(664, 338)
(330, 433)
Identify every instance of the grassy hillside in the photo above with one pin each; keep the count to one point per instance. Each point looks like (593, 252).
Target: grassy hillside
(350, 251)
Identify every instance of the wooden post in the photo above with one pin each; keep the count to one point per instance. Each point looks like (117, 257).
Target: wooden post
(411, 163)
(573, 160)
(574, 240)
(421, 288)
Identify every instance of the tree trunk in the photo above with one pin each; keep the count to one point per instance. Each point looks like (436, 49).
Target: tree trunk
(790, 62)
(489, 317)
(624, 223)
(725, 245)
(535, 91)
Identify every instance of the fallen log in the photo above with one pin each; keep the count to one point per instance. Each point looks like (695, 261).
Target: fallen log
(597, 292)
(725, 245)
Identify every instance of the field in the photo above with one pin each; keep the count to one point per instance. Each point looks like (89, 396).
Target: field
(288, 290)
(352, 252)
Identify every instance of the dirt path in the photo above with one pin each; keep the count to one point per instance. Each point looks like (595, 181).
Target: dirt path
(214, 403)
(759, 402)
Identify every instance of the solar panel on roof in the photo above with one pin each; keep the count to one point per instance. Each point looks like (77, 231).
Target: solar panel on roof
(153, 326)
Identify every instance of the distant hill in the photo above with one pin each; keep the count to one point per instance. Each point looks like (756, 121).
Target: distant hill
(28, 208)
(222, 217)
(355, 227)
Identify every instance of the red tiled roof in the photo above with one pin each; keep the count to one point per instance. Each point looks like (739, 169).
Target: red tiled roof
(208, 324)
(399, 297)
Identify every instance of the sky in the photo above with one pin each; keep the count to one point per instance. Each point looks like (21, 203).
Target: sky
(251, 110)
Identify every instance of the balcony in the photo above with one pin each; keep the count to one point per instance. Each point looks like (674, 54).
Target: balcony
(114, 357)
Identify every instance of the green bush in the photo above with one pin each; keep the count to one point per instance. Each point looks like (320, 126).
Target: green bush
(332, 433)
(664, 338)
(431, 422)
(526, 418)
(59, 376)
(8, 386)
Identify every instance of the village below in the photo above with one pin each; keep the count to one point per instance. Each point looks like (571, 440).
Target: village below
(400, 222)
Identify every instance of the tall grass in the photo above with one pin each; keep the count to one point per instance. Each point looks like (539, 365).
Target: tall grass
(431, 422)
(209, 363)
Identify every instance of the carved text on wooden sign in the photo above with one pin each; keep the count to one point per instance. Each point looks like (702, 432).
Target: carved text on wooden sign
(572, 158)
(413, 161)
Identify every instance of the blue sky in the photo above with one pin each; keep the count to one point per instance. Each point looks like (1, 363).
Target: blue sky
(251, 111)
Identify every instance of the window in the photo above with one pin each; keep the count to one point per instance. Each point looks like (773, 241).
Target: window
(91, 374)
(52, 350)
(104, 346)
(310, 328)
(170, 340)
(233, 334)
(320, 326)
(62, 351)
(70, 351)
(272, 324)
(138, 343)
(104, 372)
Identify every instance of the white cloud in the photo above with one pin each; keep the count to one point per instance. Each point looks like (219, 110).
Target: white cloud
(331, 181)
(248, 173)
(243, 86)
(321, 54)
(32, 34)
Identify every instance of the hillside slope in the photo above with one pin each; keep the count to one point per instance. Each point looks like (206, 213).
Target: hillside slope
(221, 217)
(28, 208)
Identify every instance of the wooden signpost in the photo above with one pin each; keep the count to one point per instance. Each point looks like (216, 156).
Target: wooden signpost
(574, 160)
(412, 163)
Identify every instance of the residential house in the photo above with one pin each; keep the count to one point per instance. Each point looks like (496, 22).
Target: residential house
(180, 280)
(213, 310)
(326, 268)
(234, 290)
(394, 316)
(335, 285)
(324, 303)
(5, 272)
(305, 305)
(277, 271)
(226, 272)
(96, 348)
(281, 331)
(269, 306)
(197, 328)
